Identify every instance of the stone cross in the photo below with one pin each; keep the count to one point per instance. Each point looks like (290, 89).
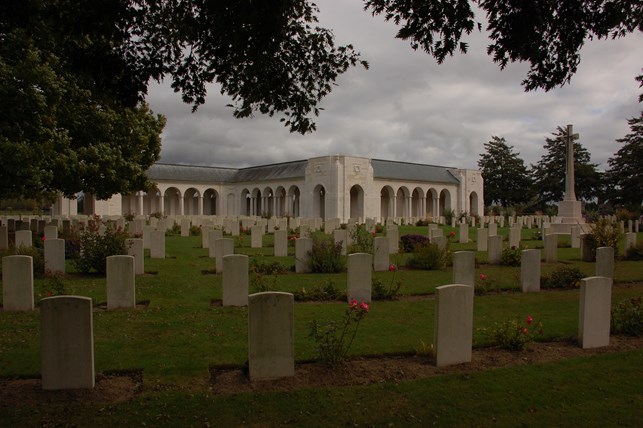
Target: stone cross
(569, 137)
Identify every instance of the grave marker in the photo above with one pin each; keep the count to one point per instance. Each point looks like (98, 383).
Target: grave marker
(453, 328)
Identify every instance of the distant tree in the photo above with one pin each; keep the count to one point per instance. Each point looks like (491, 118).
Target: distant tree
(506, 180)
(626, 167)
(550, 171)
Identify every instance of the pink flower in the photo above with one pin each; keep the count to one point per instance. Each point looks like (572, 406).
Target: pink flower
(352, 304)
(364, 306)
(391, 268)
(49, 294)
(483, 277)
(373, 233)
(529, 319)
(452, 233)
(43, 238)
(525, 331)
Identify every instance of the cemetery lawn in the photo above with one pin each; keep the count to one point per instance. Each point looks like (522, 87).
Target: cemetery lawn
(179, 332)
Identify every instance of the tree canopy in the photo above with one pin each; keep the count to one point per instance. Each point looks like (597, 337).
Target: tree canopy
(74, 75)
(506, 180)
(625, 174)
(550, 171)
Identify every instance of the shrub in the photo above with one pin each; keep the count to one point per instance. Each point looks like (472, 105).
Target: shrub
(333, 340)
(627, 317)
(320, 293)
(422, 222)
(410, 243)
(513, 335)
(260, 283)
(362, 240)
(95, 248)
(326, 256)
(379, 291)
(635, 252)
(429, 257)
(195, 230)
(563, 277)
(484, 285)
(604, 234)
(267, 268)
(511, 256)
(448, 214)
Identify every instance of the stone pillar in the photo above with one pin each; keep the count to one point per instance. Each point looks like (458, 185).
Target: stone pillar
(302, 248)
(380, 254)
(271, 337)
(605, 262)
(530, 271)
(595, 307)
(281, 243)
(121, 289)
(135, 249)
(494, 243)
(453, 327)
(67, 343)
(55, 255)
(157, 244)
(359, 277)
(17, 283)
(235, 280)
(481, 239)
(464, 268)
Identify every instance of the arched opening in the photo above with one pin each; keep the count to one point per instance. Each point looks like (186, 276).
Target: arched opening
(386, 203)
(280, 201)
(416, 203)
(473, 203)
(246, 200)
(294, 197)
(445, 201)
(191, 202)
(357, 202)
(129, 204)
(401, 202)
(319, 202)
(152, 202)
(432, 204)
(172, 200)
(268, 202)
(210, 202)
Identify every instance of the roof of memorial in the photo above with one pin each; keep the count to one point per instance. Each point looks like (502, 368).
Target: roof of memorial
(386, 169)
(412, 171)
(174, 172)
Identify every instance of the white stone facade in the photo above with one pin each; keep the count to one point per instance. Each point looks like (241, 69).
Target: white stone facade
(325, 187)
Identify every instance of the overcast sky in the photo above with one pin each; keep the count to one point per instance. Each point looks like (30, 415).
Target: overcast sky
(408, 108)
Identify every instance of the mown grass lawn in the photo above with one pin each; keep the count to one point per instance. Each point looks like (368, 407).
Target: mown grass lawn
(179, 335)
